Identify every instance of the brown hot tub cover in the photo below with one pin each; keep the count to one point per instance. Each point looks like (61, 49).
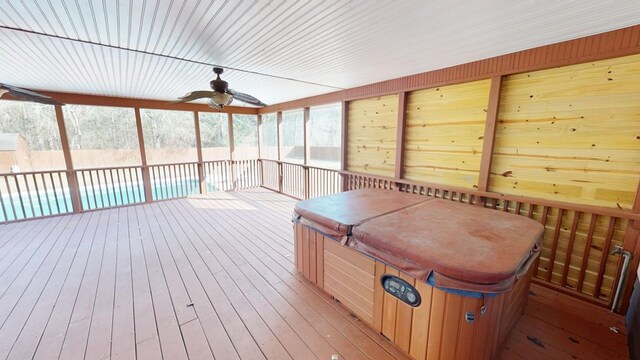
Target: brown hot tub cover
(336, 214)
(465, 247)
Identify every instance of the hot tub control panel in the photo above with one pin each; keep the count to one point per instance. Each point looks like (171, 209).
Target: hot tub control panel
(400, 289)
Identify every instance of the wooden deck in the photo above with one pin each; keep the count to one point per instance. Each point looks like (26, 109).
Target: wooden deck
(213, 276)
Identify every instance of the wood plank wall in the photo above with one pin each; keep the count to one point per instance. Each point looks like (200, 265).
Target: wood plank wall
(372, 127)
(571, 134)
(444, 133)
(567, 134)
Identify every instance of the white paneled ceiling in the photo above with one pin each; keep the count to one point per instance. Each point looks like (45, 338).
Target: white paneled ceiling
(275, 50)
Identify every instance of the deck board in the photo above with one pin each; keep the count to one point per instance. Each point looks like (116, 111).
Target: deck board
(213, 276)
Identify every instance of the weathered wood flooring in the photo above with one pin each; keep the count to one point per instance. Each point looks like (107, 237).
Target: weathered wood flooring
(213, 276)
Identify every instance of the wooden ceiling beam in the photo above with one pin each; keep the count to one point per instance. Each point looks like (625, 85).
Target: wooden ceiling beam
(96, 100)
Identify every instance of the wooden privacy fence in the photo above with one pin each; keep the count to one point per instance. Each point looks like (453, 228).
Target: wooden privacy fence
(43, 193)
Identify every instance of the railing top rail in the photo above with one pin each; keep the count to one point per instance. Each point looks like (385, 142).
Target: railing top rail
(36, 172)
(107, 168)
(594, 209)
(301, 165)
(174, 164)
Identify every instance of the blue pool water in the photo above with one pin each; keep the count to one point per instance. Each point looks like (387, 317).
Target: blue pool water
(32, 204)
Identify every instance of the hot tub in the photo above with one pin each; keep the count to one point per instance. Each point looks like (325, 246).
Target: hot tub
(440, 279)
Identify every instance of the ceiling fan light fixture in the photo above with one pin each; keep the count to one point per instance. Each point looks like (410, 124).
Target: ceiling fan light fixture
(220, 100)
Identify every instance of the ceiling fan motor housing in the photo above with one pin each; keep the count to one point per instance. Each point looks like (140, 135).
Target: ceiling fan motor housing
(219, 85)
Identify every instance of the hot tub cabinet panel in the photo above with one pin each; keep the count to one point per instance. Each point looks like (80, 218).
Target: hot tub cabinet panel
(444, 326)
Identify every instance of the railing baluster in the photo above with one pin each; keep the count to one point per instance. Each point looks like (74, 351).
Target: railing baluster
(93, 190)
(55, 193)
(163, 182)
(29, 196)
(605, 254)
(4, 210)
(100, 174)
(24, 213)
(64, 193)
(13, 209)
(554, 246)
(111, 189)
(46, 194)
(567, 258)
(40, 205)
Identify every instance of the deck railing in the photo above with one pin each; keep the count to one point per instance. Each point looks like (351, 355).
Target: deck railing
(42, 193)
(576, 250)
(34, 194)
(575, 257)
(298, 180)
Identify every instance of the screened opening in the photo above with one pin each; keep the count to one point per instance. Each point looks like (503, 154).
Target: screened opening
(245, 135)
(29, 138)
(292, 149)
(325, 133)
(214, 136)
(169, 136)
(269, 146)
(101, 136)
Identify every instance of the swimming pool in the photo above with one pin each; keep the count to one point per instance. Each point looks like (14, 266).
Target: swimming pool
(34, 204)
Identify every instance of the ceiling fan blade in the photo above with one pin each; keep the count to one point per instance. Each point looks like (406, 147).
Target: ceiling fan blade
(246, 98)
(28, 95)
(194, 95)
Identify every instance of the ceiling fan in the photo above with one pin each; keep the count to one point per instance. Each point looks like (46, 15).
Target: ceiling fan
(221, 95)
(27, 95)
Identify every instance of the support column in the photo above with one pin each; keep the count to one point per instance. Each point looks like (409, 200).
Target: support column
(201, 177)
(305, 127)
(307, 149)
(489, 133)
(146, 172)
(260, 140)
(279, 136)
(72, 178)
(234, 175)
(344, 144)
(400, 134)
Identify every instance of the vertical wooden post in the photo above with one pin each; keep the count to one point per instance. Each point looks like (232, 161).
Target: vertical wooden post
(489, 133)
(279, 136)
(400, 134)
(279, 177)
(344, 144)
(259, 125)
(306, 183)
(260, 140)
(306, 153)
(234, 179)
(146, 175)
(201, 177)
(631, 242)
(72, 178)
(279, 130)
(306, 131)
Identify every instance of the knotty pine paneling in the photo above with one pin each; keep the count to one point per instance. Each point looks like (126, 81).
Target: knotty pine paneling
(371, 144)
(444, 133)
(571, 134)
